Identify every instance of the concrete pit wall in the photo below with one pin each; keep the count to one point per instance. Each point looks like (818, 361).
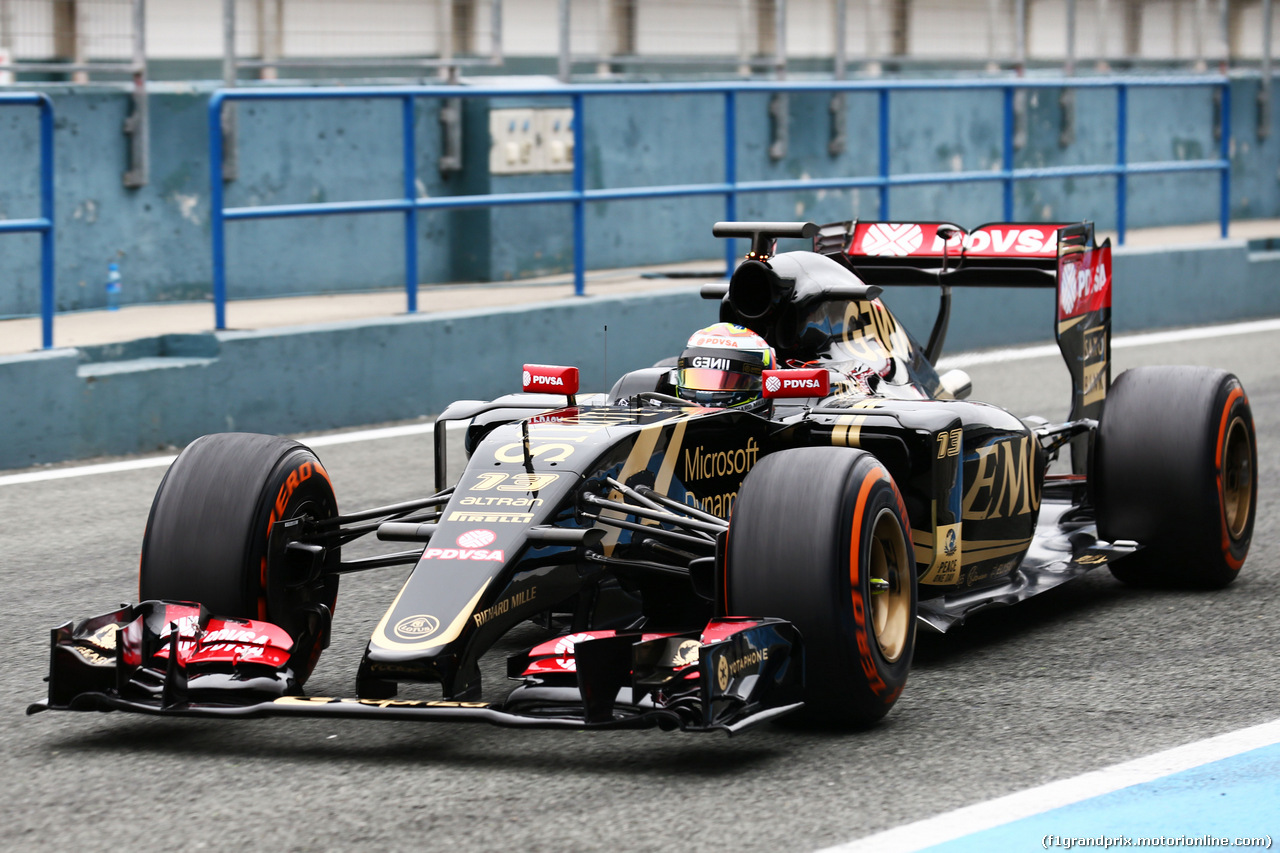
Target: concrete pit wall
(150, 394)
(293, 152)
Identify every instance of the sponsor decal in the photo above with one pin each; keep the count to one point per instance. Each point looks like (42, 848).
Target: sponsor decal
(92, 655)
(1084, 283)
(510, 602)
(700, 465)
(708, 363)
(900, 239)
(377, 703)
(747, 664)
(1002, 484)
(718, 505)
(722, 673)
(550, 377)
(891, 239)
(417, 627)
(797, 383)
(488, 501)
(476, 538)
(684, 654)
(492, 517)
(554, 451)
(564, 650)
(949, 543)
(497, 555)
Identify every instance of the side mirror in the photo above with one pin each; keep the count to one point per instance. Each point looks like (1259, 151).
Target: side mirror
(954, 385)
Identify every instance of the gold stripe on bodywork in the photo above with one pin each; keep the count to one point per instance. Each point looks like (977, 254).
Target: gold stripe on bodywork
(847, 431)
(637, 461)
(1067, 324)
(384, 641)
(990, 553)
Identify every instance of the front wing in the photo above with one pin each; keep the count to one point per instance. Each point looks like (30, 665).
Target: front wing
(175, 659)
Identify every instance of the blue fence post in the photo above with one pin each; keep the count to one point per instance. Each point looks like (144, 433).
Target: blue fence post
(1225, 186)
(1006, 158)
(1122, 160)
(579, 201)
(579, 196)
(217, 224)
(411, 211)
(730, 174)
(884, 153)
(48, 297)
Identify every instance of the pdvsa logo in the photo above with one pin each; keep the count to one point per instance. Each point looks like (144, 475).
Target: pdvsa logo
(808, 382)
(537, 379)
(892, 239)
(476, 538)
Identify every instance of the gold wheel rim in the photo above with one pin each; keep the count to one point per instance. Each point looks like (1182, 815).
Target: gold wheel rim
(1237, 478)
(891, 607)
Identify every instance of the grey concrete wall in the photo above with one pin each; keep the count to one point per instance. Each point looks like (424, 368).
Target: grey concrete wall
(332, 151)
(65, 404)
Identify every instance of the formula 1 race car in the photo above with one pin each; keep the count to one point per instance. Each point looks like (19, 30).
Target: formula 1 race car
(696, 565)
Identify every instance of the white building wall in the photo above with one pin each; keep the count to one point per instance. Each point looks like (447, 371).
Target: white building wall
(938, 29)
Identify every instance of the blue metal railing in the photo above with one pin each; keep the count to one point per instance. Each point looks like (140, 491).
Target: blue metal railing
(730, 187)
(43, 225)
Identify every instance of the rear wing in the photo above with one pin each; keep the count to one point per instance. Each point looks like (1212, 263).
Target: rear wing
(1013, 254)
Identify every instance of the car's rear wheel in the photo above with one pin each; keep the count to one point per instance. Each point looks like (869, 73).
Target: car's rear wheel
(208, 535)
(819, 536)
(1176, 470)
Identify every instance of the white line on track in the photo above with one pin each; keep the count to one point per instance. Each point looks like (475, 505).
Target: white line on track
(163, 461)
(1139, 339)
(960, 360)
(1034, 801)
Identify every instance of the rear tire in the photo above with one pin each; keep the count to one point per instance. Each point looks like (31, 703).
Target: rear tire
(1175, 469)
(207, 535)
(810, 530)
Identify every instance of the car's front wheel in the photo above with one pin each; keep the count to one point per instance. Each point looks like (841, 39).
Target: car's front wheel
(820, 537)
(208, 535)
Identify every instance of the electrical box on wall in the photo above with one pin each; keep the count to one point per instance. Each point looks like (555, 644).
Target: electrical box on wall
(512, 138)
(555, 133)
(526, 141)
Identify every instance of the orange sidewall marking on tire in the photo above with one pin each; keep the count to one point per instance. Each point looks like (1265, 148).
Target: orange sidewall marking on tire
(1217, 461)
(865, 658)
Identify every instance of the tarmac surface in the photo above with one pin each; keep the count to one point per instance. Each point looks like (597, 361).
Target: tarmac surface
(1088, 675)
(88, 328)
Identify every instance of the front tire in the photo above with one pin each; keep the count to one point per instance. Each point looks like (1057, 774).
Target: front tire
(819, 536)
(1175, 470)
(208, 534)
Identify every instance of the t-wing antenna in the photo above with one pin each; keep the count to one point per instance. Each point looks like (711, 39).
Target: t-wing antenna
(764, 235)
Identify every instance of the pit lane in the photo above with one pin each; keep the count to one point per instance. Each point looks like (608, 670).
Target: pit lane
(1086, 676)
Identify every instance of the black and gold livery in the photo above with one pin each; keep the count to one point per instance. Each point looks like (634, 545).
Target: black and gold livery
(609, 518)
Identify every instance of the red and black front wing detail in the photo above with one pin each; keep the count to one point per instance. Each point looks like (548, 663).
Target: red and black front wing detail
(175, 659)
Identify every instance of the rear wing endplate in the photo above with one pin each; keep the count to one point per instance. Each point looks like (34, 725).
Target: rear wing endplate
(1061, 256)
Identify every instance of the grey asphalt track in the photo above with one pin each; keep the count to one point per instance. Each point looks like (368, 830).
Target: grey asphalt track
(1083, 677)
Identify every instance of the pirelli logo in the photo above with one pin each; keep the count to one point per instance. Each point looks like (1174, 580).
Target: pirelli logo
(493, 517)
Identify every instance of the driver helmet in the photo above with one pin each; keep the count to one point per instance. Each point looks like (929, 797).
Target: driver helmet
(722, 366)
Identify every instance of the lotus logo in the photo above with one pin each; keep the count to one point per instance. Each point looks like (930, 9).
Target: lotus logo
(417, 627)
(476, 538)
(773, 383)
